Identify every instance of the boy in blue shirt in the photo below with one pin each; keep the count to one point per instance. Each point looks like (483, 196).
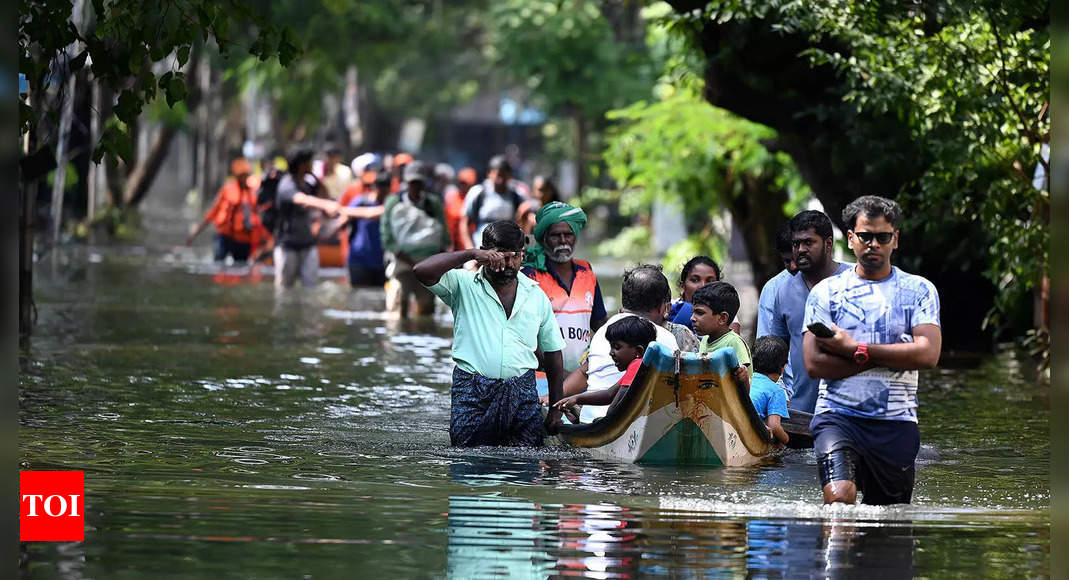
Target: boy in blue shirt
(769, 399)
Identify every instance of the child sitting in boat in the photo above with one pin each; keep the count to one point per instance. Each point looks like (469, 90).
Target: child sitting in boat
(769, 399)
(714, 308)
(628, 339)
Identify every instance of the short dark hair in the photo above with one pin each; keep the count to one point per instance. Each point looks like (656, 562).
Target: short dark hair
(504, 234)
(812, 219)
(500, 163)
(873, 206)
(783, 238)
(694, 262)
(299, 156)
(632, 330)
(769, 354)
(719, 297)
(644, 288)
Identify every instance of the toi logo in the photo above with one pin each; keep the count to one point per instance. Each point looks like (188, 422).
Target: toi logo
(51, 506)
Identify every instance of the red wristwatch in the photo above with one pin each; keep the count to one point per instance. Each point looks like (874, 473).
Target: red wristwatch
(861, 355)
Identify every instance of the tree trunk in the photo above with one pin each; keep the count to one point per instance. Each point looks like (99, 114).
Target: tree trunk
(144, 172)
(140, 179)
(764, 75)
(580, 149)
(758, 226)
(59, 177)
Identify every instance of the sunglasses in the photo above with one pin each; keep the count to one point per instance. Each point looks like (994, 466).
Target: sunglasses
(881, 237)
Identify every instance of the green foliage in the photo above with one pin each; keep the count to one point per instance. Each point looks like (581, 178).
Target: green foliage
(124, 39)
(417, 57)
(970, 79)
(565, 52)
(683, 150)
(70, 177)
(700, 244)
(964, 81)
(623, 245)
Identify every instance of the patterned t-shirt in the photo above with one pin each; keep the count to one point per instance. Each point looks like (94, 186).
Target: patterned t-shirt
(873, 312)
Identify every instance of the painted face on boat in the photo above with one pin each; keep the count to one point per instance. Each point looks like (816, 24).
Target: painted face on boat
(622, 353)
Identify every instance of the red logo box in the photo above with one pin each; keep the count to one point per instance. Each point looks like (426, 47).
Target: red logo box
(51, 506)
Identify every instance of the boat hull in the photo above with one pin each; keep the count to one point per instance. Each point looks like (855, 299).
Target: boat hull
(682, 409)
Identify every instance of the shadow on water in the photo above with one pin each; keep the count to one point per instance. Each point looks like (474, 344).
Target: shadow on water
(229, 431)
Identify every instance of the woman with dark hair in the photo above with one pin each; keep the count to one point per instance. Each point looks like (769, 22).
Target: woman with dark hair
(697, 272)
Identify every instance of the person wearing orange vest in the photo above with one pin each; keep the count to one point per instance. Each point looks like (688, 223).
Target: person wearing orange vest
(454, 207)
(233, 213)
(570, 284)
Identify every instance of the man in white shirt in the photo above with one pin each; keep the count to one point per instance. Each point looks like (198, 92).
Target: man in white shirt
(645, 292)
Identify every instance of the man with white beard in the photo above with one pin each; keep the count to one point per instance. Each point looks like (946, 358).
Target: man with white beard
(570, 284)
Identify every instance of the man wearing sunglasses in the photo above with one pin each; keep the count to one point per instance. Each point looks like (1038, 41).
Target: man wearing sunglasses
(886, 328)
(812, 243)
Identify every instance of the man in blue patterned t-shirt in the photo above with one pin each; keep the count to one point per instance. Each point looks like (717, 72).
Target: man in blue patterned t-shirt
(886, 325)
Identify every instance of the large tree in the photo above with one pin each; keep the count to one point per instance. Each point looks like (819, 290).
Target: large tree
(136, 50)
(937, 104)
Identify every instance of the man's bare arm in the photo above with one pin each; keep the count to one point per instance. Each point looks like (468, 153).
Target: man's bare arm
(328, 205)
(821, 364)
(554, 362)
(922, 353)
(430, 271)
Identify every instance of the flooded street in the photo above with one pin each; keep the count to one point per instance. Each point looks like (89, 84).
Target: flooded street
(225, 431)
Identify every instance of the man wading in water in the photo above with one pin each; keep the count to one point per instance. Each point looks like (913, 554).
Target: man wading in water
(886, 326)
(500, 320)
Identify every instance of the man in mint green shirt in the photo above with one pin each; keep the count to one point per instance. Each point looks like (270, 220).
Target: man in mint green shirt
(502, 320)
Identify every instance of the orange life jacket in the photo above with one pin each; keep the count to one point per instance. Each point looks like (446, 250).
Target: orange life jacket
(573, 309)
(231, 208)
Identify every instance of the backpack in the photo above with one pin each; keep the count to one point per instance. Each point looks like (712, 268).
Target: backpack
(477, 203)
(265, 200)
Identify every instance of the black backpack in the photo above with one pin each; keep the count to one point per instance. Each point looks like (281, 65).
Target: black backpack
(265, 200)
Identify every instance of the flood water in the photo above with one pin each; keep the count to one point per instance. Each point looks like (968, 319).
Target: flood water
(224, 431)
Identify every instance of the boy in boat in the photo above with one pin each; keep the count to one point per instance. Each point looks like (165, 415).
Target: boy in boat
(628, 339)
(714, 308)
(769, 399)
(500, 319)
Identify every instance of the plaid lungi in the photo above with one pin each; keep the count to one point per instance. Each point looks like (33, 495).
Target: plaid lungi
(495, 411)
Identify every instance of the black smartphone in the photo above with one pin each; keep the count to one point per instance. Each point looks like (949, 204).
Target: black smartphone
(820, 331)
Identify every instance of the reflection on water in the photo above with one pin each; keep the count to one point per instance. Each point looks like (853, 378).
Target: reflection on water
(225, 431)
(491, 536)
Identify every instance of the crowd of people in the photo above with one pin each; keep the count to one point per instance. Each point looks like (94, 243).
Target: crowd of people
(388, 211)
(840, 341)
(837, 340)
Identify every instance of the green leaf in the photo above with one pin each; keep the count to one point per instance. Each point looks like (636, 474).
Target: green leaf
(176, 89)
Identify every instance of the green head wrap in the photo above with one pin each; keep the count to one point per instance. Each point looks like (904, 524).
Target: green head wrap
(548, 215)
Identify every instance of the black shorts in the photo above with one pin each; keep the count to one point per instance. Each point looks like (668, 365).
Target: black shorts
(877, 455)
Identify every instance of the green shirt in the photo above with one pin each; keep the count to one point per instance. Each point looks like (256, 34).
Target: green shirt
(484, 341)
(732, 339)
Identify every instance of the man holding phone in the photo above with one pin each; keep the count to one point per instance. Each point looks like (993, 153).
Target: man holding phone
(884, 327)
(811, 246)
